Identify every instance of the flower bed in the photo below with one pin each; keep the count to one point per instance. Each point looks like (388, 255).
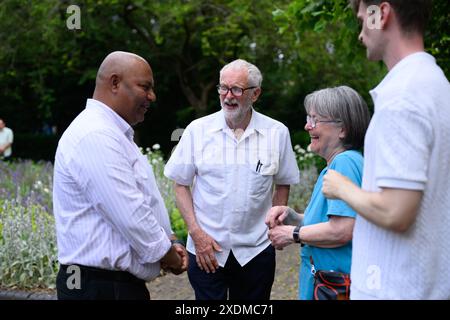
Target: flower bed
(28, 252)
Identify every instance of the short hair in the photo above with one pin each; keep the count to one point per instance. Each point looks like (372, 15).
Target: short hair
(254, 75)
(413, 15)
(346, 105)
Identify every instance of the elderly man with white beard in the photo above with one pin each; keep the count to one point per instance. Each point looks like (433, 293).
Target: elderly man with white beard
(224, 169)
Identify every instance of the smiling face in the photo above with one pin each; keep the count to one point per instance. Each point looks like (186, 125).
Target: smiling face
(135, 91)
(234, 108)
(326, 137)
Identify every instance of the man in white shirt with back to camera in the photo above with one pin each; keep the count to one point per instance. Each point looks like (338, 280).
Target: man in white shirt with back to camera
(232, 159)
(111, 223)
(401, 239)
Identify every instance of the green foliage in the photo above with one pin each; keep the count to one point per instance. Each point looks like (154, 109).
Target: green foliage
(165, 186)
(178, 224)
(437, 36)
(42, 146)
(300, 46)
(27, 246)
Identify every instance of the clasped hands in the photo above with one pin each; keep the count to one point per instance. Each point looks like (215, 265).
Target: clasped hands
(175, 260)
(281, 221)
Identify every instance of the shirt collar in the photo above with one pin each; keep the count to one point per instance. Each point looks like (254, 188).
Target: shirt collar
(255, 123)
(397, 69)
(121, 124)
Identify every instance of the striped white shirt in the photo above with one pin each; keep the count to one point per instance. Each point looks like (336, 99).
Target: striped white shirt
(108, 210)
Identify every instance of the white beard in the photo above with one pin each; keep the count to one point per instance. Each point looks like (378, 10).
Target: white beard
(235, 117)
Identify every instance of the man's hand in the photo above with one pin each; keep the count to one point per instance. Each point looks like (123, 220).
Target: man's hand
(204, 251)
(281, 236)
(275, 216)
(172, 260)
(334, 184)
(182, 253)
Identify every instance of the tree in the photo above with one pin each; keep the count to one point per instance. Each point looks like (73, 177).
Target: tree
(300, 46)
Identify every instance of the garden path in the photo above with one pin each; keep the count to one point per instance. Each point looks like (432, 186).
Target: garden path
(285, 287)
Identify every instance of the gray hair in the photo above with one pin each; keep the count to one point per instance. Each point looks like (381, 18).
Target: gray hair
(346, 105)
(254, 75)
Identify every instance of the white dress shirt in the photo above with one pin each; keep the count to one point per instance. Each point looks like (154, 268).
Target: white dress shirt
(108, 210)
(232, 189)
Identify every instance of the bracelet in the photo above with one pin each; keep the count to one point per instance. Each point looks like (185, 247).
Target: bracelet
(178, 241)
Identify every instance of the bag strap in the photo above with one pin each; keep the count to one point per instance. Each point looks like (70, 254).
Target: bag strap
(313, 268)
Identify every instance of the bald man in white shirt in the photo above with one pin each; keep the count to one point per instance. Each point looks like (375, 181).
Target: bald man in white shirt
(113, 230)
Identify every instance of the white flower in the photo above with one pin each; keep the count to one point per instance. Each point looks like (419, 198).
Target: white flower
(156, 146)
(147, 150)
(297, 147)
(154, 161)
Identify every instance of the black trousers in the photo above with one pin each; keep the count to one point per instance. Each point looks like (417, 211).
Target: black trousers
(79, 282)
(253, 281)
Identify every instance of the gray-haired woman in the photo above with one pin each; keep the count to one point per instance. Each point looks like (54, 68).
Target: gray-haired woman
(337, 120)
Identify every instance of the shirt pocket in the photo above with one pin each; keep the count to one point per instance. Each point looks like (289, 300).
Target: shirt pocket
(261, 176)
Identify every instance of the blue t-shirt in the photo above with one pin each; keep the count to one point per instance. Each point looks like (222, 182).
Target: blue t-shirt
(350, 164)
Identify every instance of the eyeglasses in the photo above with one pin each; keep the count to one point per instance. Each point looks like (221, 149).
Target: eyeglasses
(313, 121)
(235, 91)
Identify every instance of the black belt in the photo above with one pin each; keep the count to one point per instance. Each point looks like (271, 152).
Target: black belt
(108, 275)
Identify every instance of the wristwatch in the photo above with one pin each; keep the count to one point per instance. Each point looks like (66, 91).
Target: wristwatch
(296, 234)
(178, 241)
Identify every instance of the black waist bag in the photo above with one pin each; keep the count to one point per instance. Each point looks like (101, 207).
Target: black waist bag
(330, 285)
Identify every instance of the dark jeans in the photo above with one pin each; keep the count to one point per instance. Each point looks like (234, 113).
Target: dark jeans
(98, 284)
(250, 282)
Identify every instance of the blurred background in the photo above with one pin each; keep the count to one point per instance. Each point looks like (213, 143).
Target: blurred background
(47, 69)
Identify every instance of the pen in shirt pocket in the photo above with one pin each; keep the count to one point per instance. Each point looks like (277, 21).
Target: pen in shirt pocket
(258, 166)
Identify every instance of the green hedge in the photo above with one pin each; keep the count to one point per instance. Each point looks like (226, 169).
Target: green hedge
(35, 146)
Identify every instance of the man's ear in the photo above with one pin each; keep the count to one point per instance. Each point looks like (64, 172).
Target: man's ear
(114, 82)
(386, 13)
(256, 94)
